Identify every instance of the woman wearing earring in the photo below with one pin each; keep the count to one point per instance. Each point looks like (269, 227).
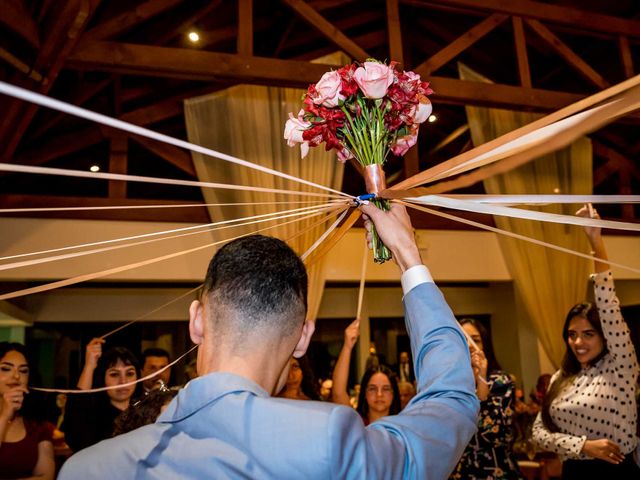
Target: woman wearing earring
(588, 416)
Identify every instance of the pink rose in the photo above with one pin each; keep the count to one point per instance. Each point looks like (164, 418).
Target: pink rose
(423, 110)
(328, 90)
(403, 144)
(374, 79)
(293, 130)
(344, 154)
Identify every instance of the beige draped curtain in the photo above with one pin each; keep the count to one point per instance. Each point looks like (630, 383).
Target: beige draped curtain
(549, 282)
(247, 122)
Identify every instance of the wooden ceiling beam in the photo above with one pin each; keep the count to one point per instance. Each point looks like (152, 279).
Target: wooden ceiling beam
(460, 44)
(118, 150)
(394, 30)
(625, 56)
(197, 214)
(342, 24)
(572, 58)
(245, 27)
(329, 30)
(60, 38)
(61, 145)
(15, 16)
(521, 52)
(80, 97)
(586, 21)
(188, 23)
(174, 155)
(620, 161)
(201, 65)
(129, 19)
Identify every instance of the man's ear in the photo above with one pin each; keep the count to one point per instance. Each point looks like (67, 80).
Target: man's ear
(196, 322)
(305, 337)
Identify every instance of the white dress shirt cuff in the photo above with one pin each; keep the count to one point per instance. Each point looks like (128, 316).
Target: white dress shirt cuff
(413, 277)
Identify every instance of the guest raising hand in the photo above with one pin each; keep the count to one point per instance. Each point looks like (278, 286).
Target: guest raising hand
(588, 416)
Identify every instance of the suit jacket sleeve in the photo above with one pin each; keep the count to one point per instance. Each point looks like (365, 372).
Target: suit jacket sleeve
(428, 437)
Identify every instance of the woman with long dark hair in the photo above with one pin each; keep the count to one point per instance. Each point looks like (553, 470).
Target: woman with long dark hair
(588, 416)
(489, 454)
(301, 384)
(26, 448)
(379, 394)
(90, 417)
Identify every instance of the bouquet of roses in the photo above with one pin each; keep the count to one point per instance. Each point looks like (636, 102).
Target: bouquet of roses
(363, 111)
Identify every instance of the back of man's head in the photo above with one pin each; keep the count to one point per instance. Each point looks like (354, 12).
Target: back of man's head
(155, 352)
(256, 285)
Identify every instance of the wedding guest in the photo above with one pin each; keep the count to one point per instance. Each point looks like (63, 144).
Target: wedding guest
(326, 388)
(300, 381)
(405, 369)
(154, 360)
(251, 318)
(588, 415)
(379, 395)
(144, 411)
(90, 417)
(489, 455)
(407, 392)
(26, 448)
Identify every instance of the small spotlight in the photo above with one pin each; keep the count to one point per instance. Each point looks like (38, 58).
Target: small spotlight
(432, 118)
(556, 190)
(194, 37)
(94, 168)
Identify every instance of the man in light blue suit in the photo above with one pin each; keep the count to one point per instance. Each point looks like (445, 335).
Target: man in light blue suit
(250, 320)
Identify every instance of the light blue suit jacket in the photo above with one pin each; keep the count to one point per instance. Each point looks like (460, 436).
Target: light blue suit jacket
(225, 426)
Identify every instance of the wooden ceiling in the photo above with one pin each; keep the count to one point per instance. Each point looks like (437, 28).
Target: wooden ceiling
(133, 60)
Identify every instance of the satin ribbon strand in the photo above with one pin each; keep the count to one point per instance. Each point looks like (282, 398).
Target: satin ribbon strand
(11, 167)
(363, 276)
(617, 90)
(64, 107)
(512, 200)
(141, 207)
(148, 314)
(324, 235)
(570, 127)
(120, 385)
(192, 291)
(205, 226)
(131, 266)
(515, 235)
(435, 200)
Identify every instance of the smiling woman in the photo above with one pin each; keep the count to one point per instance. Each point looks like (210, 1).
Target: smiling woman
(90, 417)
(26, 448)
(588, 416)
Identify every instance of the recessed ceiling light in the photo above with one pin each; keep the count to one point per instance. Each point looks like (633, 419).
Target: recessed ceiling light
(432, 118)
(94, 168)
(194, 37)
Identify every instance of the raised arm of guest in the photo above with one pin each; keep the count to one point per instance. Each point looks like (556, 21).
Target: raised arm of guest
(590, 409)
(341, 371)
(93, 352)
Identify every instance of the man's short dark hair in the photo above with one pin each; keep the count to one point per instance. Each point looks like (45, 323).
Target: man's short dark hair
(155, 352)
(261, 279)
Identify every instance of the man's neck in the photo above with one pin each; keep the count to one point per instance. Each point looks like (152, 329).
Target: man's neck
(262, 368)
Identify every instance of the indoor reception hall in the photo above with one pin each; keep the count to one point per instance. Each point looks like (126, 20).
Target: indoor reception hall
(332, 239)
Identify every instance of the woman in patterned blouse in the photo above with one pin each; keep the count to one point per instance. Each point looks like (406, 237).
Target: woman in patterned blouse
(588, 416)
(489, 454)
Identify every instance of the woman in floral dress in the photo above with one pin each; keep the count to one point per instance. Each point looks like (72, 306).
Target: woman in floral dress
(489, 454)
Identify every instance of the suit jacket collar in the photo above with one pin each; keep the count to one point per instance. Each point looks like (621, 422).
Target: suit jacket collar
(202, 391)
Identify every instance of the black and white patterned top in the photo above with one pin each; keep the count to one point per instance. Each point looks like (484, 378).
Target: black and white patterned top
(599, 402)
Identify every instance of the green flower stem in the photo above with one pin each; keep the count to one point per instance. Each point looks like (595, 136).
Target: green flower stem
(367, 139)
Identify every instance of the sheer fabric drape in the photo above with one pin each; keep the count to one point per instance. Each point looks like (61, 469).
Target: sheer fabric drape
(247, 121)
(549, 282)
